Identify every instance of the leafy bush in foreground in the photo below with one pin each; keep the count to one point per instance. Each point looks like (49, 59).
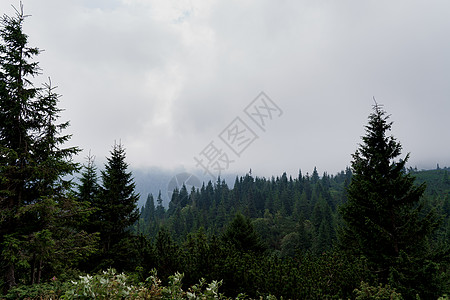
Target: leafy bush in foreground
(379, 292)
(110, 285)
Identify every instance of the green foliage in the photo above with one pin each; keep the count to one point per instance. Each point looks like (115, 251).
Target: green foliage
(117, 200)
(241, 235)
(40, 219)
(110, 285)
(88, 188)
(11, 247)
(114, 212)
(43, 291)
(274, 206)
(379, 292)
(385, 219)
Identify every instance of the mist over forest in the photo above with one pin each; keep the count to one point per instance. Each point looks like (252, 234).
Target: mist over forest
(111, 229)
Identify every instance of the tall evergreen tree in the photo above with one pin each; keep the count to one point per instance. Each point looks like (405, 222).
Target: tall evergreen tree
(88, 192)
(315, 176)
(160, 210)
(38, 216)
(148, 212)
(322, 220)
(384, 217)
(88, 188)
(57, 213)
(117, 202)
(17, 123)
(117, 205)
(241, 234)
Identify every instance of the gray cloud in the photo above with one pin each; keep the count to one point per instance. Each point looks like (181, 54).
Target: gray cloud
(166, 77)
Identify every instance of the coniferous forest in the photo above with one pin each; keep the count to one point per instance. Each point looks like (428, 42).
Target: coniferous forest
(378, 230)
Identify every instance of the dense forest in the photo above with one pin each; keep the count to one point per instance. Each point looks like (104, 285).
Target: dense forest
(286, 220)
(376, 230)
(289, 214)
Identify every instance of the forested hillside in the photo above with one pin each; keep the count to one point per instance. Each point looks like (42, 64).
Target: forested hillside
(289, 214)
(283, 210)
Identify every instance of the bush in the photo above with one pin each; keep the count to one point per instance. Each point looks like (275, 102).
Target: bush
(110, 285)
(42, 291)
(379, 292)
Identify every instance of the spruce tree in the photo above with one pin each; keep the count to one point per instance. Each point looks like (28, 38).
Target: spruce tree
(148, 212)
(88, 192)
(117, 205)
(384, 217)
(242, 236)
(88, 188)
(160, 210)
(39, 217)
(315, 176)
(17, 124)
(322, 219)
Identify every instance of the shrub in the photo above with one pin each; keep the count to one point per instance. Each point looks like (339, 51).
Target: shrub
(110, 285)
(42, 291)
(379, 292)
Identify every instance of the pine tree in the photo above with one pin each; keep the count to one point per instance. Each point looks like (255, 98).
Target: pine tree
(322, 220)
(174, 202)
(148, 212)
(167, 253)
(39, 217)
(384, 217)
(315, 176)
(241, 234)
(117, 202)
(160, 210)
(88, 192)
(57, 213)
(17, 123)
(88, 188)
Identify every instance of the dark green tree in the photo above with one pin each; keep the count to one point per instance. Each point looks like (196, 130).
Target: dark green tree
(87, 193)
(88, 188)
(148, 212)
(117, 203)
(17, 124)
(322, 220)
(384, 217)
(241, 235)
(315, 176)
(148, 222)
(56, 215)
(38, 216)
(198, 260)
(168, 254)
(160, 210)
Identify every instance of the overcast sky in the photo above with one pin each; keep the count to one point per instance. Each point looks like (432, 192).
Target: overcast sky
(173, 80)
